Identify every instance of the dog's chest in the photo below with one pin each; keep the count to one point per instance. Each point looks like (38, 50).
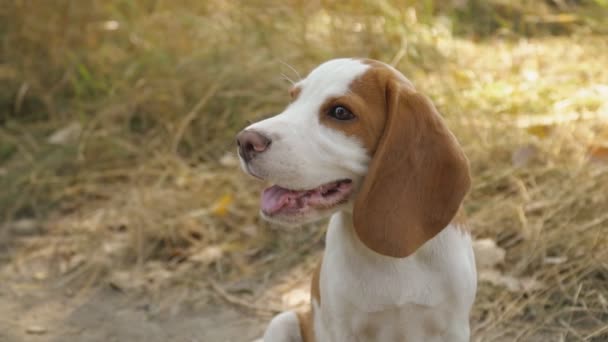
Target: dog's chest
(406, 323)
(369, 297)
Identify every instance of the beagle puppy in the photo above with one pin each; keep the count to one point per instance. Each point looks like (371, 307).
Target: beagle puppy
(360, 144)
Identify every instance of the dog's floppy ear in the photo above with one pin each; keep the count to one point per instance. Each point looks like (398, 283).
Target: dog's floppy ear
(416, 180)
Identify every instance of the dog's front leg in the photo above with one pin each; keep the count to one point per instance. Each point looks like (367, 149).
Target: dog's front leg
(284, 327)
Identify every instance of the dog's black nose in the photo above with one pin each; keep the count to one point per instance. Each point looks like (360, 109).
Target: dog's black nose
(251, 143)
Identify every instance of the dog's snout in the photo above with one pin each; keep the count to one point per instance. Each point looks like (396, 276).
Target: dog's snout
(251, 143)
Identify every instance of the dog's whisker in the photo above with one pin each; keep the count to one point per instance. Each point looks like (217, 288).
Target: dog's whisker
(292, 69)
(285, 77)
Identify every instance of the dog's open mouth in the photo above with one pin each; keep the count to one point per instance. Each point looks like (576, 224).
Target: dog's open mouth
(276, 200)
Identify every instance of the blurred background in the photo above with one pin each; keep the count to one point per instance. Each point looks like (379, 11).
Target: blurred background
(124, 215)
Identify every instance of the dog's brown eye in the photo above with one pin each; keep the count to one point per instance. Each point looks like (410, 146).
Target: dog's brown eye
(341, 113)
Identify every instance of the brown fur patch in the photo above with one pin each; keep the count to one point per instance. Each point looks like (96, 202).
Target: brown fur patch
(306, 318)
(418, 175)
(294, 92)
(366, 100)
(416, 180)
(315, 289)
(306, 325)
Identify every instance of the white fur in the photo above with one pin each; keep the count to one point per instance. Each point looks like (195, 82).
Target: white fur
(424, 297)
(304, 153)
(365, 296)
(284, 327)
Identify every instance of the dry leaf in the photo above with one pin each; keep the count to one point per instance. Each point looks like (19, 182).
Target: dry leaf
(487, 254)
(207, 255)
(124, 280)
(66, 135)
(541, 131)
(35, 330)
(598, 153)
(221, 206)
(511, 283)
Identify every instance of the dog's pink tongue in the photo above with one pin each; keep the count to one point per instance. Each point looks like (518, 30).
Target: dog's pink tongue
(274, 199)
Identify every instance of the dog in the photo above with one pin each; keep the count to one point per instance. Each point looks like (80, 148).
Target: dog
(358, 143)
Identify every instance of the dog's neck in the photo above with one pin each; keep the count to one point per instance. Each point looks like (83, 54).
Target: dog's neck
(364, 268)
(341, 224)
(342, 236)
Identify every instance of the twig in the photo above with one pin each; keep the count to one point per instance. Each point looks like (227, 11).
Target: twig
(270, 310)
(183, 124)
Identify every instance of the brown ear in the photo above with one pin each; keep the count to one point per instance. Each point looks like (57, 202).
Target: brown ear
(417, 178)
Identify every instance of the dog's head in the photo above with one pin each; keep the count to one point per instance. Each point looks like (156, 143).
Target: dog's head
(358, 137)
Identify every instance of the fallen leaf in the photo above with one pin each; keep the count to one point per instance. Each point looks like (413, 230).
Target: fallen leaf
(207, 255)
(66, 135)
(511, 283)
(221, 206)
(598, 153)
(541, 131)
(35, 330)
(124, 280)
(487, 254)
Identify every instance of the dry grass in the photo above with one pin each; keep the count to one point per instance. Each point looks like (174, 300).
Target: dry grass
(139, 188)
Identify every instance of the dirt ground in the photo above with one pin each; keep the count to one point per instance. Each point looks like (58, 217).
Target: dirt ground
(108, 315)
